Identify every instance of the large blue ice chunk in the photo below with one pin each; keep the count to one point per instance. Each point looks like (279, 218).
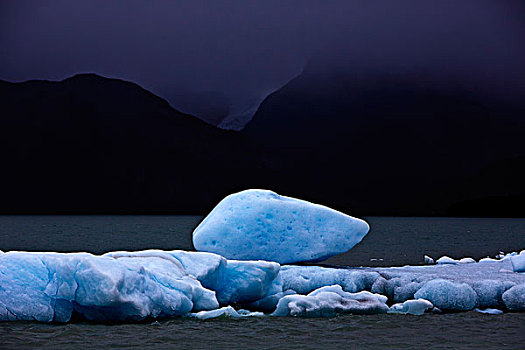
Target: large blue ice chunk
(260, 224)
(127, 286)
(304, 279)
(330, 301)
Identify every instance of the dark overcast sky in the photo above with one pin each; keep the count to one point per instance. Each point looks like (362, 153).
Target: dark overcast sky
(236, 52)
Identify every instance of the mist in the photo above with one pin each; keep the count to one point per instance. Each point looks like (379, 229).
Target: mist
(220, 59)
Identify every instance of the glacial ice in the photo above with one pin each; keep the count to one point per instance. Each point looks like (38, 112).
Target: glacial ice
(448, 260)
(260, 224)
(304, 279)
(489, 311)
(514, 298)
(226, 311)
(448, 286)
(245, 281)
(518, 261)
(233, 281)
(269, 302)
(129, 286)
(330, 301)
(51, 286)
(447, 295)
(413, 307)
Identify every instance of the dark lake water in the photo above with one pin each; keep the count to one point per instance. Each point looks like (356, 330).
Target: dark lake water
(397, 241)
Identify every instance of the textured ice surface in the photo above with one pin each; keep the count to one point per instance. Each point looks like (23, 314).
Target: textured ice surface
(226, 311)
(304, 279)
(260, 224)
(233, 281)
(448, 295)
(514, 298)
(448, 286)
(269, 302)
(518, 262)
(49, 286)
(206, 267)
(412, 307)
(330, 301)
(126, 285)
(275, 293)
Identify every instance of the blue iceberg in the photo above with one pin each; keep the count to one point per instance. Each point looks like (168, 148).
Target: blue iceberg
(262, 225)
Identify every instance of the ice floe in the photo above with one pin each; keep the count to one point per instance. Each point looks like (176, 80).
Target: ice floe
(130, 286)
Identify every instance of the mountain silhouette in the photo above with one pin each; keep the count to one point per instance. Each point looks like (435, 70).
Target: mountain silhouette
(89, 143)
(387, 143)
(384, 145)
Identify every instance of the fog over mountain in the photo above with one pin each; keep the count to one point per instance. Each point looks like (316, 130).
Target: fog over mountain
(219, 60)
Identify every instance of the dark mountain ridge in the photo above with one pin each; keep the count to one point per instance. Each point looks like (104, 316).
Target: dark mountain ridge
(375, 146)
(90, 143)
(385, 142)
